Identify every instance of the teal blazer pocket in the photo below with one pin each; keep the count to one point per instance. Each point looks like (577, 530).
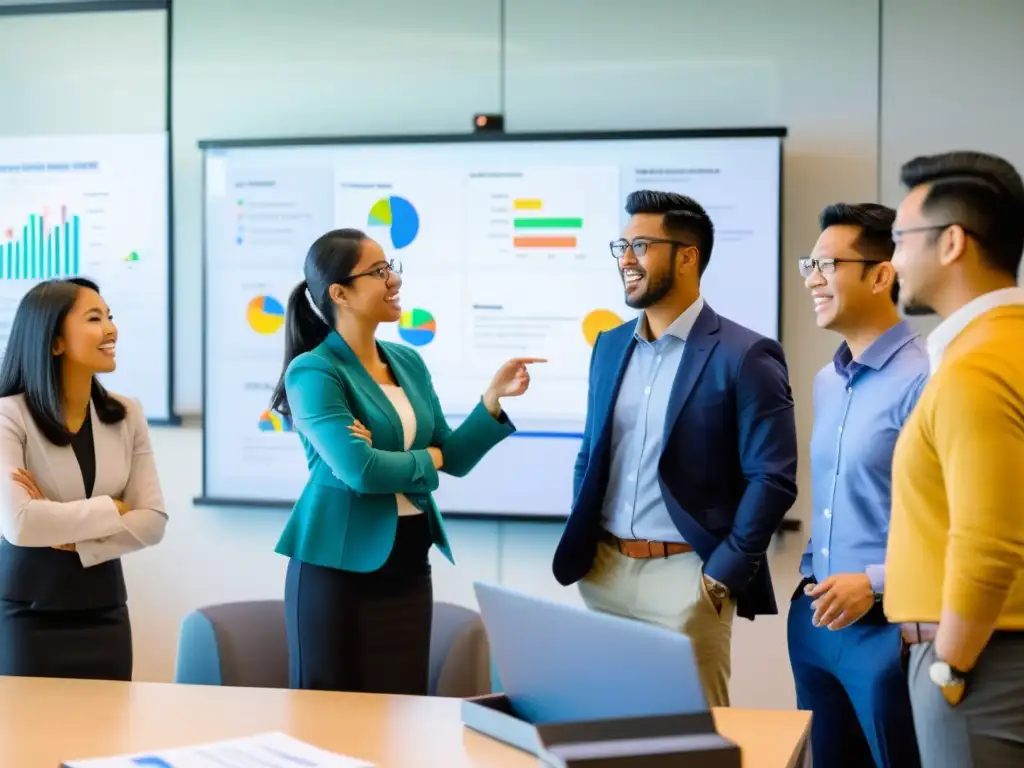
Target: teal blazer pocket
(347, 515)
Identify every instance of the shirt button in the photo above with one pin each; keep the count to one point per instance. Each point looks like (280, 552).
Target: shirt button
(657, 359)
(632, 477)
(828, 514)
(849, 389)
(840, 430)
(824, 551)
(647, 390)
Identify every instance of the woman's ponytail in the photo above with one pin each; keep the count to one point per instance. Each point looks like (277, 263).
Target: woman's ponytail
(305, 329)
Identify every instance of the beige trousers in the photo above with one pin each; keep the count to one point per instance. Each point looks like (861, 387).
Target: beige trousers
(668, 592)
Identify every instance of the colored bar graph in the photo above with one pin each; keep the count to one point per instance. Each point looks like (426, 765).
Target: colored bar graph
(562, 223)
(527, 204)
(544, 242)
(36, 254)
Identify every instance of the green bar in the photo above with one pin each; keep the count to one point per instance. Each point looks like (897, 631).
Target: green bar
(24, 252)
(74, 221)
(548, 223)
(56, 249)
(30, 247)
(41, 248)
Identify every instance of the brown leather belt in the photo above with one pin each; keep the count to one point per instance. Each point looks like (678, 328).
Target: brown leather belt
(914, 632)
(642, 549)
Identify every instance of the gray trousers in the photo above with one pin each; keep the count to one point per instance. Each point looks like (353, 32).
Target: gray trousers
(986, 730)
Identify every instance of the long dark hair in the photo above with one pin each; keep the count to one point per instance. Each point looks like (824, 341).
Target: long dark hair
(309, 316)
(30, 368)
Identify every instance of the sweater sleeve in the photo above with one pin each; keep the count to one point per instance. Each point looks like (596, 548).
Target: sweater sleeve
(978, 429)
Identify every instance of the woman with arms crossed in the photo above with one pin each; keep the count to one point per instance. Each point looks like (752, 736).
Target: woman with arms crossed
(358, 594)
(78, 489)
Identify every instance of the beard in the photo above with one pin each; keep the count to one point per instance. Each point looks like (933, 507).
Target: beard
(657, 289)
(915, 309)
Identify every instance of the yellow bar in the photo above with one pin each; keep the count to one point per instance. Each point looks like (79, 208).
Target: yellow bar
(527, 204)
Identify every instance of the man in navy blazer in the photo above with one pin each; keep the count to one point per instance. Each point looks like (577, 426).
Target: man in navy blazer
(689, 454)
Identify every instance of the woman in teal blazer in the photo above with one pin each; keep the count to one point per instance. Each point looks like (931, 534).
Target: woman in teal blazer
(358, 594)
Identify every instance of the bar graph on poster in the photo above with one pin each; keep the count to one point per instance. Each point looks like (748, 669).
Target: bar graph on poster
(93, 207)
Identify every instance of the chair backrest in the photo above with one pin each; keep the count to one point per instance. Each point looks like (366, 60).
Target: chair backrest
(459, 653)
(245, 644)
(238, 644)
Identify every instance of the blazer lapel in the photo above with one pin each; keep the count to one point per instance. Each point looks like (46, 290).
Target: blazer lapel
(699, 345)
(65, 478)
(606, 399)
(109, 446)
(413, 388)
(367, 386)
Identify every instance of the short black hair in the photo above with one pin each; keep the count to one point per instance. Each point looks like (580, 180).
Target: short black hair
(30, 368)
(684, 218)
(875, 224)
(982, 193)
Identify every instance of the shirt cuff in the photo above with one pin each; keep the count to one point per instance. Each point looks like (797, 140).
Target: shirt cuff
(876, 575)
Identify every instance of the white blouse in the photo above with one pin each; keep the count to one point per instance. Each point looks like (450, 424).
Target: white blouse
(407, 416)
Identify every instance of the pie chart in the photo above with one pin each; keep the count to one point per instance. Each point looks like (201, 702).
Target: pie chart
(274, 422)
(265, 314)
(399, 216)
(417, 327)
(598, 321)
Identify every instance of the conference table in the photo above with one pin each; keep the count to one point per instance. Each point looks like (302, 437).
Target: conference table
(46, 721)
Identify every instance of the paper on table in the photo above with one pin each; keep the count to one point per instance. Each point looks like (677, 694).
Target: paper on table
(266, 750)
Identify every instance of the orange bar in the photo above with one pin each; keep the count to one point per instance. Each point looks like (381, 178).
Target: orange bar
(544, 242)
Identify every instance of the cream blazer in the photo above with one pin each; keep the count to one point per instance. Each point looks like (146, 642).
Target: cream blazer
(125, 470)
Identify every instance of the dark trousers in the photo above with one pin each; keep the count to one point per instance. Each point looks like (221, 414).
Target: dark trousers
(363, 632)
(854, 682)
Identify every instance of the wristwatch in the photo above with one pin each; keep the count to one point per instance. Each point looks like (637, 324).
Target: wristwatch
(716, 589)
(951, 681)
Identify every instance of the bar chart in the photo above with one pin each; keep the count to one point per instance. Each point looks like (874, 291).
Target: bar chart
(44, 247)
(559, 218)
(543, 231)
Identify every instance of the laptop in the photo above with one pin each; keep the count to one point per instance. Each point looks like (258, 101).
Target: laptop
(559, 663)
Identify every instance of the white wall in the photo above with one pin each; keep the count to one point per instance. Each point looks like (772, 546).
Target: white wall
(312, 67)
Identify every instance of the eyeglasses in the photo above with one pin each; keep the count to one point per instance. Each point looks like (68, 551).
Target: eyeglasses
(898, 233)
(828, 266)
(383, 272)
(639, 246)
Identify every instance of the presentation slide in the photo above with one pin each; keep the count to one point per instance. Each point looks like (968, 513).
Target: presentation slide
(505, 249)
(94, 207)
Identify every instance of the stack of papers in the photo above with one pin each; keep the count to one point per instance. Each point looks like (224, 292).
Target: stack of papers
(267, 750)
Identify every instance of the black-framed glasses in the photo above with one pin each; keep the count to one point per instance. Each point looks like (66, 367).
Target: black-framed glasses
(828, 266)
(898, 233)
(383, 272)
(639, 245)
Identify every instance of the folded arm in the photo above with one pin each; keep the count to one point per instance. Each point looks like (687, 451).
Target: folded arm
(146, 520)
(462, 448)
(321, 413)
(979, 437)
(28, 522)
(768, 456)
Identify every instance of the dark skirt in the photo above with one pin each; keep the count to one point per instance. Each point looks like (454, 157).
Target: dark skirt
(363, 632)
(93, 644)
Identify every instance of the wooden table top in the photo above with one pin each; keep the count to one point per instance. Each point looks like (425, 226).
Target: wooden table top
(46, 721)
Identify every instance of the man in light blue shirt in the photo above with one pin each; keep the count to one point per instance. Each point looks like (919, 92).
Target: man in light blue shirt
(847, 659)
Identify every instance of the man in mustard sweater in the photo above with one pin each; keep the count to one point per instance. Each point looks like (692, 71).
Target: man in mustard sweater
(955, 557)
